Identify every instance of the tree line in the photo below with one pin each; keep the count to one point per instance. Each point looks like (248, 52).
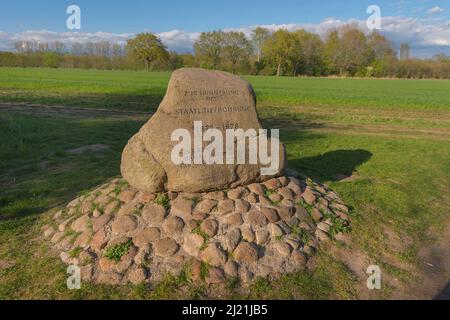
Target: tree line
(346, 51)
(102, 55)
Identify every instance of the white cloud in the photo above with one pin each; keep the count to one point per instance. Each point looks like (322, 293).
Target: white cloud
(178, 40)
(72, 37)
(321, 28)
(418, 34)
(426, 37)
(435, 10)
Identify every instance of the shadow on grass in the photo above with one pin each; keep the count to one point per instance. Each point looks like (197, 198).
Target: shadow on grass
(147, 102)
(333, 165)
(444, 294)
(298, 125)
(30, 141)
(28, 188)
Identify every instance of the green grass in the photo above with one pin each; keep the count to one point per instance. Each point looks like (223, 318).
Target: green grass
(398, 154)
(75, 252)
(116, 252)
(128, 90)
(197, 230)
(142, 91)
(162, 200)
(356, 93)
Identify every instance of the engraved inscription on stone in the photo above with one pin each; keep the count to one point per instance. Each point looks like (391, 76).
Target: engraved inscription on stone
(195, 111)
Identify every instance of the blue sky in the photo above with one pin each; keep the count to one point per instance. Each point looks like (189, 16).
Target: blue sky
(181, 21)
(195, 15)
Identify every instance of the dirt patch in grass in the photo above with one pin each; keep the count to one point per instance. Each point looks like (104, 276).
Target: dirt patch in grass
(429, 279)
(368, 113)
(61, 111)
(434, 275)
(89, 148)
(438, 134)
(343, 177)
(6, 264)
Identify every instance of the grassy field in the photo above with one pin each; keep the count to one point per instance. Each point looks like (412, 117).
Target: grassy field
(391, 137)
(142, 91)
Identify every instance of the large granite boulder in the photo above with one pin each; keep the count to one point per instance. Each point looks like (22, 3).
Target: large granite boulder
(219, 100)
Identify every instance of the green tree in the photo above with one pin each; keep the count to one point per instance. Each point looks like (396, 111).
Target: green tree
(331, 51)
(188, 59)
(356, 52)
(237, 48)
(441, 57)
(51, 60)
(280, 48)
(175, 61)
(380, 46)
(347, 50)
(259, 36)
(148, 48)
(311, 50)
(209, 46)
(382, 54)
(8, 59)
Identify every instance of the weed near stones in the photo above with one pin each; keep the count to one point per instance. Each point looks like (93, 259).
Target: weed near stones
(121, 184)
(162, 200)
(204, 270)
(75, 252)
(116, 252)
(204, 235)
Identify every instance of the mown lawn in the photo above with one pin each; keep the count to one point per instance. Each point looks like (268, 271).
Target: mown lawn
(398, 159)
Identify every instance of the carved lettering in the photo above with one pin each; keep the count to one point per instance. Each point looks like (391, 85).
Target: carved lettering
(210, 110)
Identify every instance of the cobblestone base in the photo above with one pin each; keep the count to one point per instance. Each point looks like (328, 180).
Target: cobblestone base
(119, 235)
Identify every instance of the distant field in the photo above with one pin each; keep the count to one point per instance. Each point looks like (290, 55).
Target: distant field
(143, 91)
